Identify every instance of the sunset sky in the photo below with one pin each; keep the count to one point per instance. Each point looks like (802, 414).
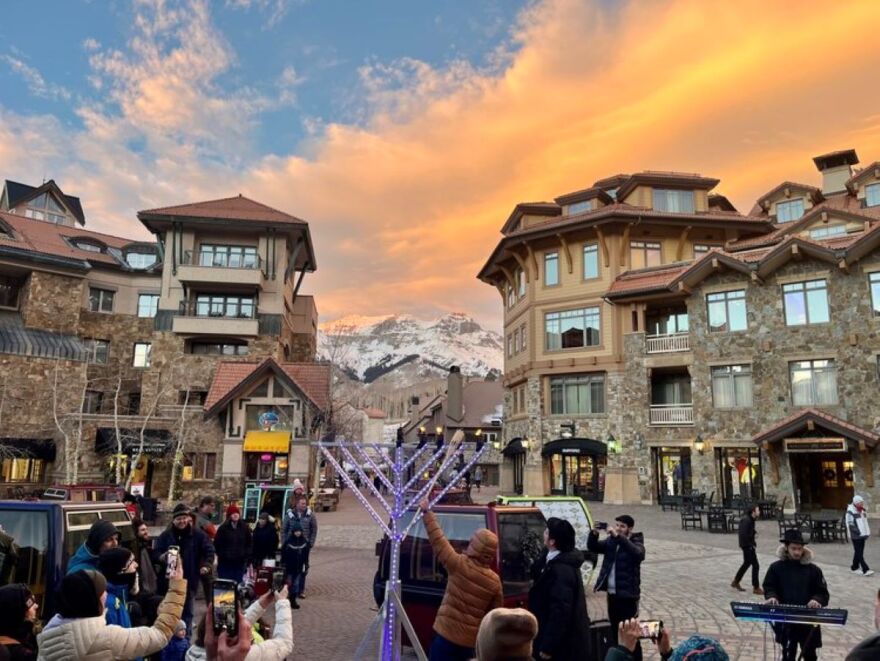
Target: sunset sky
(405, 132)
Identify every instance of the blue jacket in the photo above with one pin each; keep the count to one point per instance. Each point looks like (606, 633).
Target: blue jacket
(175, 650)
(82, 559)
(116, 608)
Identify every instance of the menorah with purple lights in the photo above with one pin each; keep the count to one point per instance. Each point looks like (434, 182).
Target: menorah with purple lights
(421, 464)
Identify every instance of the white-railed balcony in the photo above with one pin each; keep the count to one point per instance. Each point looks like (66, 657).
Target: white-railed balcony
(669, 415)
(672, 343)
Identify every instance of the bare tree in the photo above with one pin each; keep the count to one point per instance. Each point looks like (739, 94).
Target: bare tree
(71, 430)
(180, 438)
(164, 383)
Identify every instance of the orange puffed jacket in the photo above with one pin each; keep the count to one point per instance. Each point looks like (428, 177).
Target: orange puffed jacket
(473, 588)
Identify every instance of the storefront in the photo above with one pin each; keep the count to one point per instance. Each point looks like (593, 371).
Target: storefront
(672, 466)
(140, 458)
(514, 454)
(267, 444)
(576, 467)
(23, 464)
(822, 471)
(739, 473)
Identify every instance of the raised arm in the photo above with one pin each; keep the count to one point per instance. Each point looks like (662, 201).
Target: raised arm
(143, 641)
(446, 555)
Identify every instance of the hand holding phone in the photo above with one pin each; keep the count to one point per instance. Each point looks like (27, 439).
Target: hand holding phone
(172, 560)
(601, 525)
(225, 606)
(650, 629)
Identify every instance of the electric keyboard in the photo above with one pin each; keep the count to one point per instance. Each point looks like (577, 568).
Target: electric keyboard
(787, 614)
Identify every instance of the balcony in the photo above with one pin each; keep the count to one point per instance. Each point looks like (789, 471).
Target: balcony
(242, 273)
(671, 415)
(226, 326)
(672, 343)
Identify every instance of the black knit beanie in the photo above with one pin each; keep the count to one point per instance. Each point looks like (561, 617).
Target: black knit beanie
(100, 531)
(112, 562)
(80, 594)
(179, 509)
(13, 605)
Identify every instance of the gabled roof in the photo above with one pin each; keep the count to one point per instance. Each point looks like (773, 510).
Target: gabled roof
(720, 202)
(233, 378)
(836, 158)
(656, 278)
(814, 193)
(17, 193)
(802, 419)
(529, 209)
(583, 195)
(657, 178)
(228, 208)
(872, 169)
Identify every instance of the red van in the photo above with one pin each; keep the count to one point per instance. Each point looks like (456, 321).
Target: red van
(520, 533)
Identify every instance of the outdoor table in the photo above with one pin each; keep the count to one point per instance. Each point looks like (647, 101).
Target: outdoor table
(823, 525)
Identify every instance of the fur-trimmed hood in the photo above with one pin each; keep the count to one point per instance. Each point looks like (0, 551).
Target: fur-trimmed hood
(806, 558)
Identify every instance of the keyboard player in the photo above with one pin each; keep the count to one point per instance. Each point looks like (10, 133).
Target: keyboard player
(795, 580)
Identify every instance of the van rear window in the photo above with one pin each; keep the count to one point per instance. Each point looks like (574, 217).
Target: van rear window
(422, 565)
(30, 530)
(522, 540)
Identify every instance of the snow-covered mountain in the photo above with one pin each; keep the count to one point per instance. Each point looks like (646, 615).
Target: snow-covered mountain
(404, 350)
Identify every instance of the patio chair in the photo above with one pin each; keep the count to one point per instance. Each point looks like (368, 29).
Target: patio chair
(839, 531)
(717, 520)
(690, 520)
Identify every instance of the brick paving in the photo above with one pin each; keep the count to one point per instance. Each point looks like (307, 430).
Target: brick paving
(685, 582)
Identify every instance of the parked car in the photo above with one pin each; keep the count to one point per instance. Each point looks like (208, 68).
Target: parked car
(520, 533)
(83, 493)
(571, 508)
(47, 533)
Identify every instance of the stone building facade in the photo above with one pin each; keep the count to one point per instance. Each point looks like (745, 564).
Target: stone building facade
(109, 347)
(660, 343)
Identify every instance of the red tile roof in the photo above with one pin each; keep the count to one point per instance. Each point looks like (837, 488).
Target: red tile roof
(800, 418)
(375, 413)
(647, 279)
(313, 379)
(229, 208)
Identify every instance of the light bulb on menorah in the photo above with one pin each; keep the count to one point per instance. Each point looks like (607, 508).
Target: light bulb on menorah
(394, 507)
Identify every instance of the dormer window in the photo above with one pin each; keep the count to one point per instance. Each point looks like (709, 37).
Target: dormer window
(872, 195)
(580, 207)
(45, 207)
(828, 231)
(612, 193)
(673, 201)
(88, 245)
(140, 260)
(789, 210)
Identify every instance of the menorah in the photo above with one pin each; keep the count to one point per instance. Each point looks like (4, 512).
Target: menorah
(392, 617)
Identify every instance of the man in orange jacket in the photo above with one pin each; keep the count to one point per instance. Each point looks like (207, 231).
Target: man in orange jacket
(472, 590)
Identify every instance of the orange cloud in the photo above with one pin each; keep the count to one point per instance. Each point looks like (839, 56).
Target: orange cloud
(406, 210)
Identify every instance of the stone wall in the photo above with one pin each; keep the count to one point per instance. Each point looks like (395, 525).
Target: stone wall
(52, 302)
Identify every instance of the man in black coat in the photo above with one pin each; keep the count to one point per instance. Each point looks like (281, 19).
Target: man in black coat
(621, 573)
(557, 597)
(750, 556)
(794, 579)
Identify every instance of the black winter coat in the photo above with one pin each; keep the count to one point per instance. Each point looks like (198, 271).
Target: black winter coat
(233, 543)
(747, 532)
(265, 542)
(796, 582)
(196, 551)
(625, 555)
(558, 602)
(294, 554)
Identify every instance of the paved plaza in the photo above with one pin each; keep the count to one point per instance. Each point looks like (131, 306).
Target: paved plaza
(685, 582)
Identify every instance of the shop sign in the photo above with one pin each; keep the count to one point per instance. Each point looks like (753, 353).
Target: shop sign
(814, 445)
(571, 451)
(268, 420)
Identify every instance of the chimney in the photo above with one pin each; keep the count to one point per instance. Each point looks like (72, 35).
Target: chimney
(454, 394)
(836, 169)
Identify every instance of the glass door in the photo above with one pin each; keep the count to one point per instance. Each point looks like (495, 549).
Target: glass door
(673, 470)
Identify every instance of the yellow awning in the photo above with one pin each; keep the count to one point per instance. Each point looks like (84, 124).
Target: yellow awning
(267, 441)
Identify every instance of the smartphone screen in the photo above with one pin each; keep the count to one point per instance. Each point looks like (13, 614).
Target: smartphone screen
(277, 581)
(601, 525)
(651, 629)
(171, 560)
(225, 600)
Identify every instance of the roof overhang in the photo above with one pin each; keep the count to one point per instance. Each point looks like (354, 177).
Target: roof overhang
(809, 420)
(668, 180)
(529, 209)
(793, 248)
(575, 446)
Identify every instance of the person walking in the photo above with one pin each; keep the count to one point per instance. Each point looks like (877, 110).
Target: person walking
(859, 531)
(265, 540)
(79, 630)
(233, 543)
(294, 554)
(557, 597)
(19, 608)
(748, 545)
(795, 580)
(102, 535)
(302, 513)
(478, 477)
(196, 556)
(472, 589)
(620, 576)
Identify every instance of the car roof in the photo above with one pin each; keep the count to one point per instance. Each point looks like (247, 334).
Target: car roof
(476, 508)
(64, 504)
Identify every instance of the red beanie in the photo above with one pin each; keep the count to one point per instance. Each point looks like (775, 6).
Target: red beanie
(232, 509)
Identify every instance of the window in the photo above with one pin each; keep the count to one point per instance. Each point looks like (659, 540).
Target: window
(142, 351)
(219, 349)
(236, 257)
(101, 300)
(520, 541)
(572, 328)
(591, 261)
(45, 207)
(287, 416)
(551, 268)
(874, 283)
(789, 210)
(727, 311)
(148, 304)
(732, 386)
(22, 469)
(9, 288)
(644, 253)
(510, 350)
(30, 530)
(191, 397)
(518, 397)
(829, 230)
(511, 296)
(701, 249)
(99, 350)
(92, 401)
(580, 207)
(141, 260)
(522, 338)
(520, 284)
(872, 195)
(224, 306)
(675, 201)
(134, 403)
(199, 466)
(806, 303)
(88, 246)
(516, 340)
(813, 382)
(577, 394)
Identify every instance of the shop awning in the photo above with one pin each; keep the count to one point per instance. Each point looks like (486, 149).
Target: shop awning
(29, 448)
(157, 442)
(513, 448)
(574, 446)
(277, 442)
